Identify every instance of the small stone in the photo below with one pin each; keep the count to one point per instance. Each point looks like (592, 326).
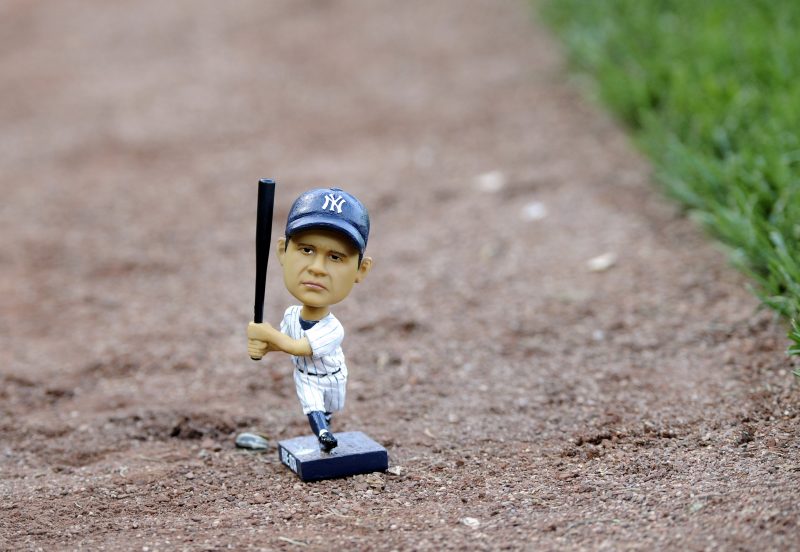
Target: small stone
(534, 211)
(490, 182)
(602, 262)
(252, 441)
(470, 522)
(745, 436)
(375, 481)
(190, 475)
(395, 470)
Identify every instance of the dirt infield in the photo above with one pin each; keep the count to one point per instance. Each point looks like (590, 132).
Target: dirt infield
(526, 400)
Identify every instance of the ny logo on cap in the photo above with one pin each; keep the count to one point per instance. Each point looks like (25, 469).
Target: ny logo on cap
(335, 203)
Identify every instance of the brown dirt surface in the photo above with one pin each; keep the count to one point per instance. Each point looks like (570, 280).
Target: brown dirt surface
(527, 401)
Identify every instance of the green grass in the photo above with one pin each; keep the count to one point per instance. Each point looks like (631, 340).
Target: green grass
(711, 91)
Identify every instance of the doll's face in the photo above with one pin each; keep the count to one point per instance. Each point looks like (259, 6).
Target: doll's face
(320, 267)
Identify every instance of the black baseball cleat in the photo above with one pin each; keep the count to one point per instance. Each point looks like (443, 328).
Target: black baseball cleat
(327, 440)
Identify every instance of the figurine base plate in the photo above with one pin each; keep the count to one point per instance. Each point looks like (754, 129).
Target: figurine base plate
(355, 454)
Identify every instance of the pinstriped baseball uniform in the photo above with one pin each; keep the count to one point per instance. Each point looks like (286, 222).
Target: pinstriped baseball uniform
(319, 379)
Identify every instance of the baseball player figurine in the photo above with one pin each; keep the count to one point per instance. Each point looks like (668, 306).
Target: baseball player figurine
(322, 255)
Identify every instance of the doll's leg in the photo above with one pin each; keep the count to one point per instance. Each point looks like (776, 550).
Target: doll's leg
(317, 422)
(319, 425)
(311, 395)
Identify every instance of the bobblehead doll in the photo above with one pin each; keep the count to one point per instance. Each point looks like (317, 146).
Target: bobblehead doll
(322, 257)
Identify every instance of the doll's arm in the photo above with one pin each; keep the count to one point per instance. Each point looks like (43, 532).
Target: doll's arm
(277, 341)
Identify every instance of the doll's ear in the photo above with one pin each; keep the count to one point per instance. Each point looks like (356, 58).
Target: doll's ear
(281, 249)
(363, 270)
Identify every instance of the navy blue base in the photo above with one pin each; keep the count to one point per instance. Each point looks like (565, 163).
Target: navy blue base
(355, 454)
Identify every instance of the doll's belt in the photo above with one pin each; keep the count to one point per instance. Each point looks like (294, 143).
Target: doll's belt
(318, 375)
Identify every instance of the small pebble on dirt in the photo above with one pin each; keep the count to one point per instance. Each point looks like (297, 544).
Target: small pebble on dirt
(470, 522)
(490, 182)
(375, 480)
(534, 211)
(602, 262)
(252, 441)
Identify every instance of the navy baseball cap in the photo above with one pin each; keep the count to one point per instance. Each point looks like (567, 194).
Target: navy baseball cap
(330, 208)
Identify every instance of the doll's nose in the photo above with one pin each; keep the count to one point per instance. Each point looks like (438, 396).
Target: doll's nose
(318, 266)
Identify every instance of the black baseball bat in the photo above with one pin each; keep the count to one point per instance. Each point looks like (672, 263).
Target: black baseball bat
(266, 203)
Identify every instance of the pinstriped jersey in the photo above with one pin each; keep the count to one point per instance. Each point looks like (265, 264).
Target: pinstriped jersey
(325, 338)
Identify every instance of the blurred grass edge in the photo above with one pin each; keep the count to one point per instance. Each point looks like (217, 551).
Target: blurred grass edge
(710, 92)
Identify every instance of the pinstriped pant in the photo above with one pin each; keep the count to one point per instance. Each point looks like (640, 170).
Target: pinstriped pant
(320, 393)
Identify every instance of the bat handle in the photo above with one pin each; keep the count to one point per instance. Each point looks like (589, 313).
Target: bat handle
(262, 356)
(257, 319)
